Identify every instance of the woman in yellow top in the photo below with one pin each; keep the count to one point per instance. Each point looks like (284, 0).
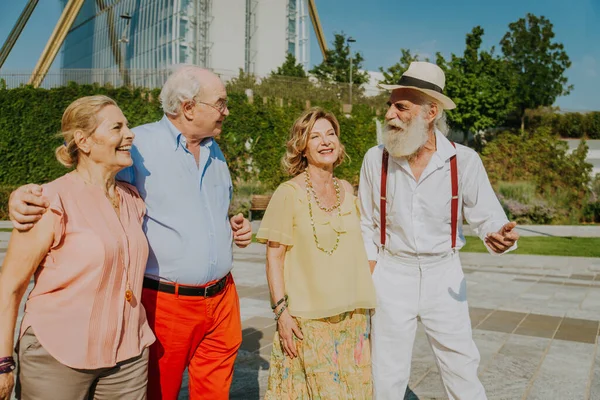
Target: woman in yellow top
(318, 272)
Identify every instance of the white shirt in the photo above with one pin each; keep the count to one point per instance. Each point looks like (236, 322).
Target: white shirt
(418, 212)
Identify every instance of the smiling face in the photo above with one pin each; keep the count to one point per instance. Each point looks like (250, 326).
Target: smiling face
(110, 144)
(323, 145)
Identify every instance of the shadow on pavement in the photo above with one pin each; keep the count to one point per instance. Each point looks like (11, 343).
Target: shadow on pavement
(246, 384)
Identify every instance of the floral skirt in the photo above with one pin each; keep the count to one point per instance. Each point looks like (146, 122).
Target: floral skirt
(334, 360)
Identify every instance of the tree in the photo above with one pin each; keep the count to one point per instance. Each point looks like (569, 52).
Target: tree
(393, 73)
(538, 63)
(336, 65)
(290, 68)
(480, 84)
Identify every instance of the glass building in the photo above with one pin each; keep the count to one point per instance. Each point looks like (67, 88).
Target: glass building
(135, 41)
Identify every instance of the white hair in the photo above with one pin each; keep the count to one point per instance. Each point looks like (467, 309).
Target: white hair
(182, 85)
(439, 122)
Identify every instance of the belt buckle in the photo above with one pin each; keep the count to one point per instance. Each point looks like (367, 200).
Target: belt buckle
(207, 288)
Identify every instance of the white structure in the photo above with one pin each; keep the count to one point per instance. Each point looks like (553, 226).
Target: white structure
(142, 38)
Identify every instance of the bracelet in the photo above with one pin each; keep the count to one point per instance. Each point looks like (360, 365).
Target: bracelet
(284, 298)
(281, 310)
(9, 359)
(7, 368)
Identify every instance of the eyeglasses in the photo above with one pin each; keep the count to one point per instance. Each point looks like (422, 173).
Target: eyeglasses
(221, 106)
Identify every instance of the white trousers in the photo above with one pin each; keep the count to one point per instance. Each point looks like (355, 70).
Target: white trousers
(435, 292)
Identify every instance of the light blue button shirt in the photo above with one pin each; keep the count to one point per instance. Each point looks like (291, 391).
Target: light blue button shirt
(186, 221)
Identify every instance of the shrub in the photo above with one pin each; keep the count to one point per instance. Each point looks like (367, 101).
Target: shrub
(524, 192)
(560, 179)
(570, 125)
(5, 192)
(592, 124)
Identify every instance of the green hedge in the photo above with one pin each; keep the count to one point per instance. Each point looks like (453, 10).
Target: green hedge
(566, 125)
(253, 139)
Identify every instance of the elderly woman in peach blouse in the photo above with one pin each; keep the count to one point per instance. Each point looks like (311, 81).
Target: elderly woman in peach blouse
(84, 333)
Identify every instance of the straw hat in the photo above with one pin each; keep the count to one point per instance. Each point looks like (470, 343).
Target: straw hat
(427, 78)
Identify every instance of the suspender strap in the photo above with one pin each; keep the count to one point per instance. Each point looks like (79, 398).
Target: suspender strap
(383, 193)
(454, 201)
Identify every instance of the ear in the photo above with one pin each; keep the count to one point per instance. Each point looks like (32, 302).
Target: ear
(187, 109)
(83, 142)
(433, 112)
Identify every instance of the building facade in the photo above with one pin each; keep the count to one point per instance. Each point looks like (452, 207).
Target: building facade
(136, 41)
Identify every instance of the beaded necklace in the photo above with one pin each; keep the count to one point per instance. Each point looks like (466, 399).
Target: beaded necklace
(310, 190)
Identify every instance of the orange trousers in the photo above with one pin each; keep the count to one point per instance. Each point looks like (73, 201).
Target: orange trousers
(200, 333)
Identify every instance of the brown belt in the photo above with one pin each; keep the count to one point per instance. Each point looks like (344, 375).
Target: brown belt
(185, 290)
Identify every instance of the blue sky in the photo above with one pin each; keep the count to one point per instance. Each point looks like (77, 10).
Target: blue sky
(383, 27)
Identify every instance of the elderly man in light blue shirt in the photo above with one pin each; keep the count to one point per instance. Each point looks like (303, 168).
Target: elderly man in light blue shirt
(189, 295)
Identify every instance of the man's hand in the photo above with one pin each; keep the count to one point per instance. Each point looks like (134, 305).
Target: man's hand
(504, 239)
(242, 231)
(26, 206)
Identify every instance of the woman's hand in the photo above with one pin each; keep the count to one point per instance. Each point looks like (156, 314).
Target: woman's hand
(7, 382)
(287, 329)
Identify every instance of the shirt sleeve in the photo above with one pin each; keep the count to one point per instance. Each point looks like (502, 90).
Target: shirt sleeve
(367, 223)
(137, 201)
(481, 207)
(278, 222)
(56, 207)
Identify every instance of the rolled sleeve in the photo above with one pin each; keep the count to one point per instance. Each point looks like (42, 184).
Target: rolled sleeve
(481, 206)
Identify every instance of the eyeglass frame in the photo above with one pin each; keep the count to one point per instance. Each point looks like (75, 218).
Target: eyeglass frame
(216, 107)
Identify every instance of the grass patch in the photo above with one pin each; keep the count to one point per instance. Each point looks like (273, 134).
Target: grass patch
(545, 246)
(5, 229)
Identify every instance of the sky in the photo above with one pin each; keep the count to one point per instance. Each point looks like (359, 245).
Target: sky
(381, 28)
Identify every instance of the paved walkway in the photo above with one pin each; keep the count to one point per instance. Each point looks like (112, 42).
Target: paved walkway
(535, 320)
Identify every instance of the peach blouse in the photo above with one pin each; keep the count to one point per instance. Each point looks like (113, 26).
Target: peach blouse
(77, 308)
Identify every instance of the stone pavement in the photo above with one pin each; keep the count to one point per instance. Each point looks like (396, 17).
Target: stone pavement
(535, 319)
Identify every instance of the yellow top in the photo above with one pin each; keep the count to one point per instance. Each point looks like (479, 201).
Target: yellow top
(319, 285)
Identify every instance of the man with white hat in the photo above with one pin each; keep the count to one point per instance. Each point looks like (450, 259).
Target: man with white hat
(415, 190)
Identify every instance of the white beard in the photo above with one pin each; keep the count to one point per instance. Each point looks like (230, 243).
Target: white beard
(405, 140)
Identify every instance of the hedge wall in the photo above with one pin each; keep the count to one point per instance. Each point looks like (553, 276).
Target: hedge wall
(253, 138)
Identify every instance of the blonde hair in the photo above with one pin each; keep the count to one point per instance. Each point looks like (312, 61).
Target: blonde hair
(294, 161)
(80, 115)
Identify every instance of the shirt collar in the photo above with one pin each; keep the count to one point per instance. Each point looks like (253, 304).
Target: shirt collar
(178, 138)
(444, 149)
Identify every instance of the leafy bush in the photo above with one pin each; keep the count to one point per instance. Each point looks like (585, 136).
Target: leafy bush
(560, 179)
(535, 213)
(570, 125)
(4, 194)
(524, 192)
(592, 125)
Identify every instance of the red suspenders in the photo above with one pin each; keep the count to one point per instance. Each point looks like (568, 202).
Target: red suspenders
(453, 202)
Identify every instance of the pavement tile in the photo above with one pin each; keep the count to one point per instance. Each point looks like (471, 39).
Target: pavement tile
(595, 381)
(578, 330)
(537, 325)
(478, 314)
(257, 333)
(502, 321)
(488, 343)
(430, 387)
(509, 373)
(564, 373)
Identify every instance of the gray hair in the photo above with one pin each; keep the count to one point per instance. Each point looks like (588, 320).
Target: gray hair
(440, 122)
(182, 85)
